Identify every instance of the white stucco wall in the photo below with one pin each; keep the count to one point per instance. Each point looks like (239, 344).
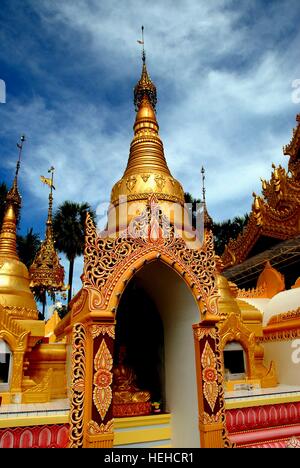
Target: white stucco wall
(179, 312)
(284, 301)
(286, 355)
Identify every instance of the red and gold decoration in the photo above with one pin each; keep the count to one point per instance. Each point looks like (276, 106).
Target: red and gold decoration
(209, 369)
(144, 233)
(102, 394)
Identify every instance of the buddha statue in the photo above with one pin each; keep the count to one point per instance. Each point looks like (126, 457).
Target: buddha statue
(128, 399)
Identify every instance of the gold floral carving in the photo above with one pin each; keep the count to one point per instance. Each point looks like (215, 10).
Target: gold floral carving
(233, 329)
(145, 196)
(95, 429)
(102, 394)
(78, 386)
(160, 181)
(97, 330)
(209, 375)
(282, 327)
(290, 315)
(107, 259)
(130, 182)
(145, 177)
(211, 418)
(78, 302)
(212, 371)
(251, 293)
(280, 335)
(200, 333)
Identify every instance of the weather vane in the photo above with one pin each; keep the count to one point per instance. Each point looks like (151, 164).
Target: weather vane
(142, 42)
(20, 146)
(49, 181)
(203, 183)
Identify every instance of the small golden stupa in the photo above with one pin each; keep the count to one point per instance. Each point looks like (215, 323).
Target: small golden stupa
(46, 272)
(15, 294)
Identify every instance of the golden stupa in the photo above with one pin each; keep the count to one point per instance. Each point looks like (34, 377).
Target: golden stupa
(46, 272)
(147, 171)
(15, 294)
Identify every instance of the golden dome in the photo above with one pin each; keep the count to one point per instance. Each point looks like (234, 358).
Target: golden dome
(147, 171)
(15, 294)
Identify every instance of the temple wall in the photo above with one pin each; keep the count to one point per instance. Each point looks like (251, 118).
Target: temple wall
(286, 355)
(179, 312)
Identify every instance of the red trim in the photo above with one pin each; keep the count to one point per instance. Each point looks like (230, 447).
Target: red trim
(52, 436)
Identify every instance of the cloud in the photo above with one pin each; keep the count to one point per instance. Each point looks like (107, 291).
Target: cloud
(224, 73)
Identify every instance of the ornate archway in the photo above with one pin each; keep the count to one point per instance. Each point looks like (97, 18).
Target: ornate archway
(109, 265)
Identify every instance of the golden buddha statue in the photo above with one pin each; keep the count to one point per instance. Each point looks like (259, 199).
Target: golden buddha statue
(128, 399)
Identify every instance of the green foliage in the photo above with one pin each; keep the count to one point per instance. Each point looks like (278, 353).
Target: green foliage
(69, 228)
(28, 246)
(223, 231)
(227, 230)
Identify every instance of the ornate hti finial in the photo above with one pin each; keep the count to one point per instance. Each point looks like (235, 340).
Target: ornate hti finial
(208, 222)
(203, 183)
(8, 236)
(46, 272)
(13, 196)
(144, 86)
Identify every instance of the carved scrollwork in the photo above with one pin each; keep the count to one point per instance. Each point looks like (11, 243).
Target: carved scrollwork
(78, 386)
(106, 259)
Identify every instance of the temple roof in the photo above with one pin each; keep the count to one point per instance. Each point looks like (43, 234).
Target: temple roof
(284, 256)
(275, 214)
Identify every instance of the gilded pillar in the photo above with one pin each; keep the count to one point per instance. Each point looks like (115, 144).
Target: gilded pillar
(212, 424)
(91, 400)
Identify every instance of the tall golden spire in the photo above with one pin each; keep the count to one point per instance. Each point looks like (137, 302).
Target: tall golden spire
(208, 222)
(147, 171)
(8, 235)
(46, 273)
(15, 294)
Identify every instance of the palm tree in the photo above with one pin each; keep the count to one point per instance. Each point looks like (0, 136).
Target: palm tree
(69, 227)
(227, 230)
(28, 246)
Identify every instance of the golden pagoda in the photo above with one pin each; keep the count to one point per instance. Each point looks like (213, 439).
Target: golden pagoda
(15, 294)
(147, 171)
(34, 371)
(46, 272)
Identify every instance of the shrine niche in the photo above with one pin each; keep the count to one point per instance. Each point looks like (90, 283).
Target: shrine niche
(138, 356)
(148, 237)
(245, 355)
(109, 266)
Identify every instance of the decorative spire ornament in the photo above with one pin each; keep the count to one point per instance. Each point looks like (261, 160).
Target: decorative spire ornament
(144, 86)
(15, 294)
(46, 272)
(208, 222)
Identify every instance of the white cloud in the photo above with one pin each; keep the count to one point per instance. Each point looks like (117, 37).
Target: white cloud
(224, 73)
